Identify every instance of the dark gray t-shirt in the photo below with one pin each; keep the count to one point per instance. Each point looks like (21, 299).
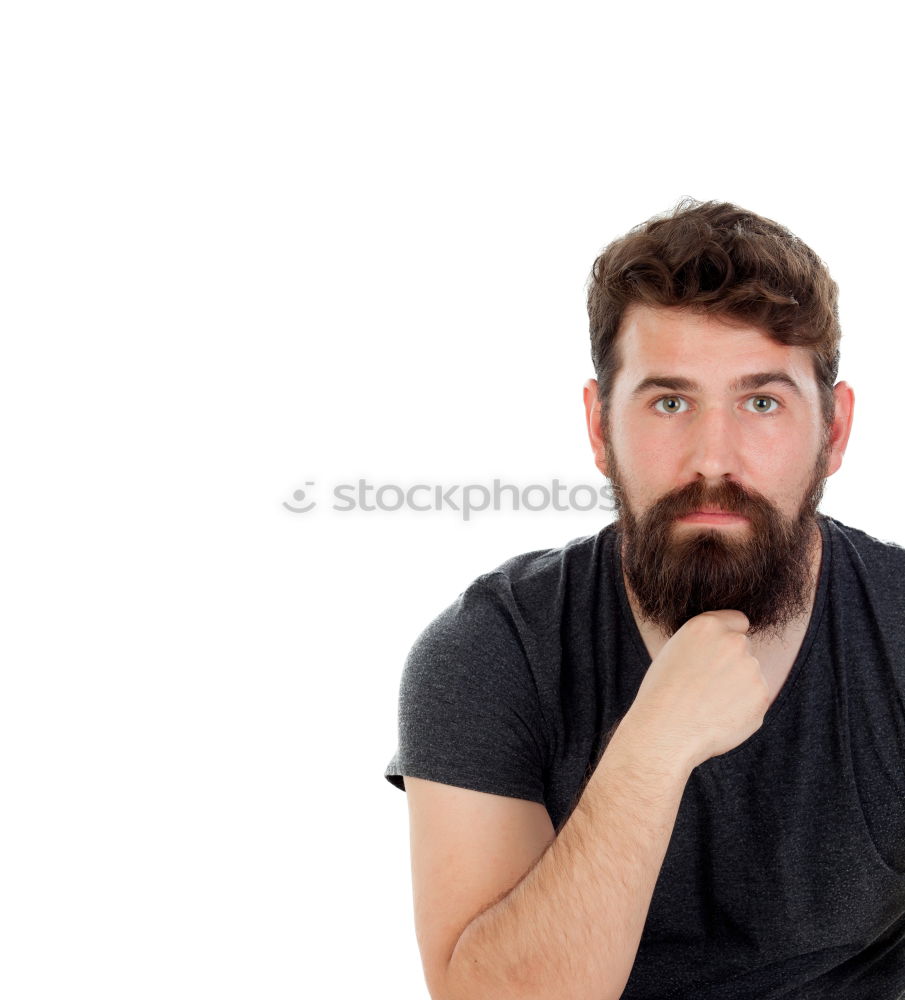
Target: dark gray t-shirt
(785, 873)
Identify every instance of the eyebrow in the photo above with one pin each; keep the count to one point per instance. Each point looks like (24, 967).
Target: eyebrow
(742, 384)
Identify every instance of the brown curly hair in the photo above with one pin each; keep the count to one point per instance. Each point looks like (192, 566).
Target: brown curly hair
(716, 258)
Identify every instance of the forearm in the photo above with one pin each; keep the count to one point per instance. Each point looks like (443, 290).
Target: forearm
(570, 929)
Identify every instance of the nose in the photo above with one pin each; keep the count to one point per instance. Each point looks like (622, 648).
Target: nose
(714, 448)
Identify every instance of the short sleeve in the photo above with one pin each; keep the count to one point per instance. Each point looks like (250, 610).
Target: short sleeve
(469, 713)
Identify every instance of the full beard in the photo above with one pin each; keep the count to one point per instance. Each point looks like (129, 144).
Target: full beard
(762, 569)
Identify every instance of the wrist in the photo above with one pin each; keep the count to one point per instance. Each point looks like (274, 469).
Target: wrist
(652, 750)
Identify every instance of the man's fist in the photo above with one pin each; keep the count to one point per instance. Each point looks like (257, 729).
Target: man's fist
(704, 693)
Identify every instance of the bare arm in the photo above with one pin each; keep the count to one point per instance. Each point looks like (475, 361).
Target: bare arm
(571, 927)
(505, 911)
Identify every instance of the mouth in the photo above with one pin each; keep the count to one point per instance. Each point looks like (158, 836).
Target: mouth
(713, 515)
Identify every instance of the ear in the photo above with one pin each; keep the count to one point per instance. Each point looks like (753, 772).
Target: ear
(592, 410)
(841, 426)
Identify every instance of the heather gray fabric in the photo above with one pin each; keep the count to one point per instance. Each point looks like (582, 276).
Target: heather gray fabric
(785, 874)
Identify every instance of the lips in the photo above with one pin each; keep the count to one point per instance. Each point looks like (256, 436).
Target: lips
(713, 514)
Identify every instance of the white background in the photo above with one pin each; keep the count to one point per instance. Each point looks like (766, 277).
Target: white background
(250, 246)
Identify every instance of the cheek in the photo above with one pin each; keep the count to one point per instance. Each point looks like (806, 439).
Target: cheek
(784, 478)
(648, 474)
(647, 454)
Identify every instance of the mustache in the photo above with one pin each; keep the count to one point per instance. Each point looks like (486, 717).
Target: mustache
(727, 495)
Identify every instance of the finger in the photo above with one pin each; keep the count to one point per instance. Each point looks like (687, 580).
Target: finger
(735, 620)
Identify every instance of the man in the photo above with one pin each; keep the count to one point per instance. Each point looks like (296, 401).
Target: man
(667, 760)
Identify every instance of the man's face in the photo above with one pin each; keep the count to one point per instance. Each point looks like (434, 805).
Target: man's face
(717, 451)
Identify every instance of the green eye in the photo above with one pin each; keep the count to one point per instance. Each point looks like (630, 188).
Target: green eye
(671, 404)
(763, 404)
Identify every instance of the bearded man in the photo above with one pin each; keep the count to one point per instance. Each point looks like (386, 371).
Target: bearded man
(666, 760)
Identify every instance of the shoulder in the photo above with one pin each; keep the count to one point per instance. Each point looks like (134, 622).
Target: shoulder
(875, 554)
(474, 706)
(515, 612)
(868, 563)
(542, 580)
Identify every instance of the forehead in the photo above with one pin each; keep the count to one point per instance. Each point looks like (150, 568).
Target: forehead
(677, 342)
